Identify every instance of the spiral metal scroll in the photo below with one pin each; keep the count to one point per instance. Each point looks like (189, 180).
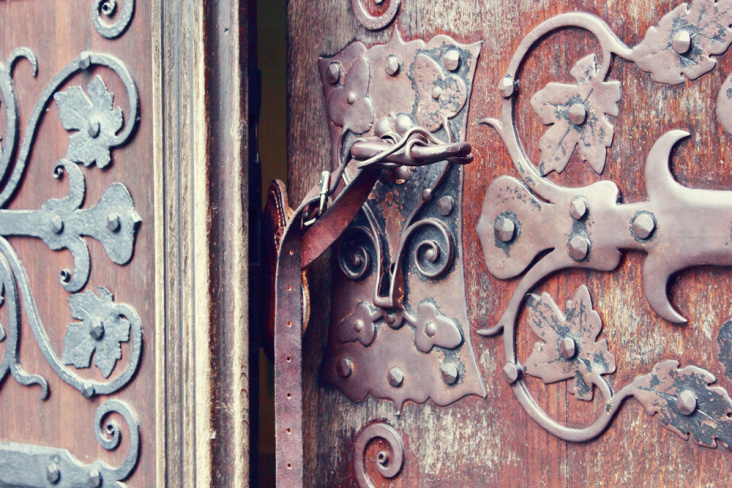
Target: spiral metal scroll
(389, 464)
(108, 8)
(371, 22)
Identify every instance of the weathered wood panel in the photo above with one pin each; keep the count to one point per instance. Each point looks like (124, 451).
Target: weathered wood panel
(493, 441)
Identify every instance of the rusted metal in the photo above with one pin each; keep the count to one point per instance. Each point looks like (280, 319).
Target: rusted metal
(399, 307)
(389, 464)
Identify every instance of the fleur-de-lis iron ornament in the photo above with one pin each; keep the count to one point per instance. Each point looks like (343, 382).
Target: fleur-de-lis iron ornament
(539, 227)
(96, 127)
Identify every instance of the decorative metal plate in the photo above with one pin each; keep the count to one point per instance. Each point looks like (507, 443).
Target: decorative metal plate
(399, 311)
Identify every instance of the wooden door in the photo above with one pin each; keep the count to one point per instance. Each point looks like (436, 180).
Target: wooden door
(124, 338)
(553, 313)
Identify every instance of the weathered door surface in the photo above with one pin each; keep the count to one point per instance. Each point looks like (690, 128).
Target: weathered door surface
(120, 191)
(536, 290)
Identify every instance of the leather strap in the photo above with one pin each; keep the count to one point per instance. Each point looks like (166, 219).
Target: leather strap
(299, 248)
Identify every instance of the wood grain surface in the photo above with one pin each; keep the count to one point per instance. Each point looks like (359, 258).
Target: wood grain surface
(492, 441)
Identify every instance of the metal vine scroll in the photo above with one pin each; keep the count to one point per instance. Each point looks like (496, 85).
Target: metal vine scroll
(540, 227)
(96, 126)
(399, 309)
(388, 462)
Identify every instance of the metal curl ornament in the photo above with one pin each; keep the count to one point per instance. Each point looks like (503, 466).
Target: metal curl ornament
(375, 22)
(353, 257)
(388, 464)
(108, 8)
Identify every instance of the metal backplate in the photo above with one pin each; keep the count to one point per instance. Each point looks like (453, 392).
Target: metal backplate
(399, 322)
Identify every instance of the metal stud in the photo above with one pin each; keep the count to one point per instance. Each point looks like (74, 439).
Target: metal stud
(577, 114)
(395, 377)
(511, 373)
(403, 123)
(505, 229)
(449, 373)
(686, 402)
(97, 332)
(358, 325)
(52, 473)
(426, 194)
(507, 87)
(578, 208)
(643, 226)
(392, 65)
(94, 480)
(430, 329)
(451, 60)
(57, 224)
(113, 222)
(88, 391)
(567, 347)
(93, 128)
(84, 60)
(579, 247)
(333, 74)
(445, 205)
(351, 98)
(681, 43)
(345, 367)
(436, 92)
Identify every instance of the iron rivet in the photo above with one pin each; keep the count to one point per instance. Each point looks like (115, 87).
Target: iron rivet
(113, 223)
(93, 128)
(333, 74)
(567, 348)
(383, 458)
(426, 194)
(97, 332)
(578, 248)
(84, 60)
(403, 124)
(383, 126)
(87, 391)
(577, 114)
(351, 98)
(511, 373)
(430, 329)
(356, 260)
(345, 367)
(504, 229)
(392, 65)
(449, 373)
(681, 43)
(109, 7)
(686, 402)
(432, 254)
(506, 87)
(578, 208)
(65, 275)
(451, 60)
(436, 92)
(95, 479)
(57, 224)
(396, 377)
(52, 473)
(358, 325)
(643, 226)
(445, 205)
(390, 319)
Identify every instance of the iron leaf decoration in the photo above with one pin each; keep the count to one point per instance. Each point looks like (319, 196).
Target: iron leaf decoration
(94, 118)
(100, 333)
(687, 403)
(685, 41)
(579, 117)
(570, 348)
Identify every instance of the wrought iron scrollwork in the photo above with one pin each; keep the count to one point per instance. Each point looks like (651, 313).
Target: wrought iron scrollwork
(107, 8)
(38, 466)
(541, 227)
(389, 463)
